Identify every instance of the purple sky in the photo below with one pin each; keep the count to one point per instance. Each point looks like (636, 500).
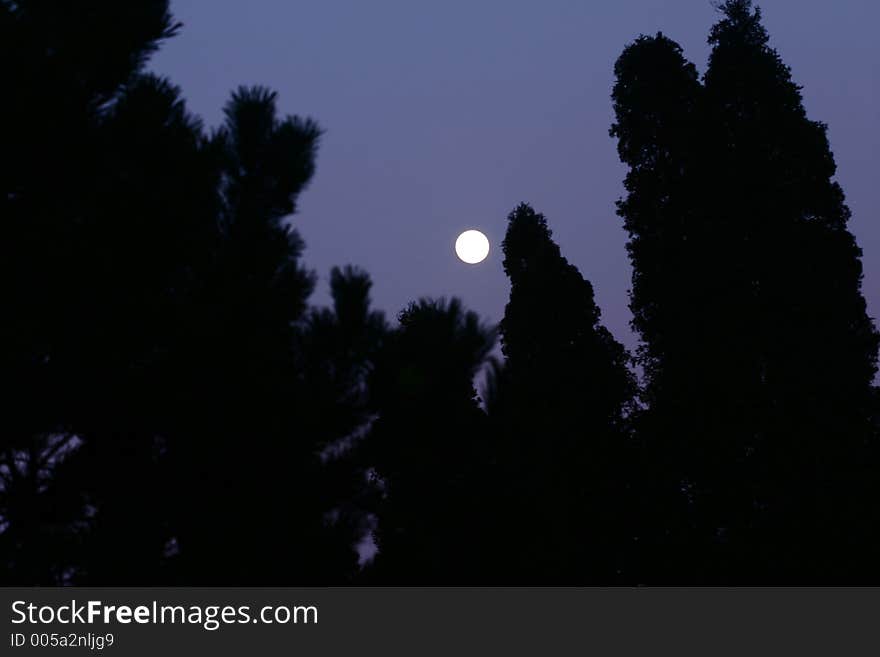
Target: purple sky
(442, 116)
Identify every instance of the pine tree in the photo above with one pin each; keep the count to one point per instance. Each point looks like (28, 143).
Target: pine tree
(161, 427)
(64, 67)
(429, 449)
(338, 350)
(239, 389)
(144, 243)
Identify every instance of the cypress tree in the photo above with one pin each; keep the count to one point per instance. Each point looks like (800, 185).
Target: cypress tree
(562, 413)
(815, 347)
(758, 349)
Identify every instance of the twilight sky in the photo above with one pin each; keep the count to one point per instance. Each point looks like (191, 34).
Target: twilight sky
(442, 116)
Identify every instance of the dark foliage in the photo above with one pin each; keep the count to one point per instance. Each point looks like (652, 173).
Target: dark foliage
(429, 448)
(174, 411)
(562, 446)
(162, 419)
(758, 351)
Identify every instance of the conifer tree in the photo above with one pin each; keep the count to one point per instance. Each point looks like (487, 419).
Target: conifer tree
(815, 346)
(757, 346)
(235, 416)
(338, 351)
(64, 67)
(161, 427)
(563, 438)
(429, 449)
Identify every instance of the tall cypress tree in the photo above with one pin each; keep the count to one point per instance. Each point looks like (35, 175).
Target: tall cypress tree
(760, 354)
(816, 347)
(562, 415)
(675, 299)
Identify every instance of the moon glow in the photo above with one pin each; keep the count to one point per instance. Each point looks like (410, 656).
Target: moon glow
(472, 247)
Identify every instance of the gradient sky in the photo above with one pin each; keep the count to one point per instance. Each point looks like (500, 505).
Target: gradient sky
(442, 116)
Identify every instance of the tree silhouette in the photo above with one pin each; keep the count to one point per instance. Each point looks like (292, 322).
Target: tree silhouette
(562, 415)
(62, 348)
(161, 425)
(428, 448)
(236, 406)
(657, 100)
(746, 292)
(175, 411)
(339, 349)
(145, 237)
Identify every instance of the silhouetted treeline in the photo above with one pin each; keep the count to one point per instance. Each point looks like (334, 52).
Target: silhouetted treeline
(175, 411)
(758, 352)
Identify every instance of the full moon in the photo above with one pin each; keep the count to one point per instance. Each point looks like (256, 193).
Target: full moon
(472, 247)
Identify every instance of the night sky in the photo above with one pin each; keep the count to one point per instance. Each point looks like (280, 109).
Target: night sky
(443, 116)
